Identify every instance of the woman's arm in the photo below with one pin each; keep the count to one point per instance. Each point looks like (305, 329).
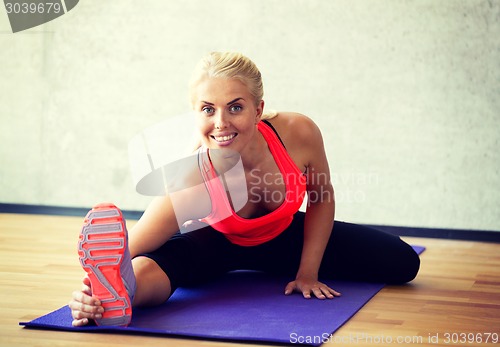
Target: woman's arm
(154, 228)
(166, 214)
(320, 211)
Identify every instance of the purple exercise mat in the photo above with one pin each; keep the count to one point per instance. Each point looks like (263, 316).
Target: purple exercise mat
(242, 306)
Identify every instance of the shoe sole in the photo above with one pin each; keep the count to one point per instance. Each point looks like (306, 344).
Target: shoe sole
(101, 248)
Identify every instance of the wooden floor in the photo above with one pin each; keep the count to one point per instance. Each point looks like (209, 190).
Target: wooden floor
(455, 300)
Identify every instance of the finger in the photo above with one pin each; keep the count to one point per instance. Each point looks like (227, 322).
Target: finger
(79, 322)
(290, 288)
(335, 293)
(81, 315)
(87, 286)
(327, 292)
(318, 293)
(77, 306)
(306, 293)
(80, 310)
(85, 299)
(86, 289)
(331, 291)
(82, 318)
(86, 281)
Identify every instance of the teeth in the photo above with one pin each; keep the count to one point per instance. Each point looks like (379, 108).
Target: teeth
(224, 138)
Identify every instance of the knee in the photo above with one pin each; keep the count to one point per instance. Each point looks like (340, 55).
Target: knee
(143, 266)
(406, 267)
(153, 285)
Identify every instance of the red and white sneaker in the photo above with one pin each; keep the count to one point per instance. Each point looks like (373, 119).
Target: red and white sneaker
(104, 255)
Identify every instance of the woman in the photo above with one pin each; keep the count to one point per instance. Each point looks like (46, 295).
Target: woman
(283, 157)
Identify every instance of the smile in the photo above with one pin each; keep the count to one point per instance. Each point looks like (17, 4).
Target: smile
(225, 138)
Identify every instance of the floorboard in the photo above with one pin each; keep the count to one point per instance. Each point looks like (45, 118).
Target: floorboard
(454, 301)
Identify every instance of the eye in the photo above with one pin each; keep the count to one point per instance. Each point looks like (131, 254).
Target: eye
(207, 110)
(235, 108)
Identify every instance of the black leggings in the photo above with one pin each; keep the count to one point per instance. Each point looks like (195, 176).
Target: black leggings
(354, 253)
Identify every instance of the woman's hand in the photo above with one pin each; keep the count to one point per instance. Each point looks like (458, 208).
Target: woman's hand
(84, 306)
(306, 286)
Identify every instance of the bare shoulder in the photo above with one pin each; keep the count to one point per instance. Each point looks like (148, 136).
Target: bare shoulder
(301, 137)
(295, 128)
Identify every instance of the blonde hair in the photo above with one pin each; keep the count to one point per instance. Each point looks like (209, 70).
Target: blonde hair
(229, 65)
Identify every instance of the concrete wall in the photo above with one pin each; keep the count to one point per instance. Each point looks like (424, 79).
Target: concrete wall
(406, 94)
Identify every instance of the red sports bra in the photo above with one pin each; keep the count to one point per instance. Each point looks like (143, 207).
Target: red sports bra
(254, 231)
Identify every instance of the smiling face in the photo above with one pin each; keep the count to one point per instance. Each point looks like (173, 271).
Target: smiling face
(227, 113)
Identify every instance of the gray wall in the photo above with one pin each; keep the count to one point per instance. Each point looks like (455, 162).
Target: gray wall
(406, 94)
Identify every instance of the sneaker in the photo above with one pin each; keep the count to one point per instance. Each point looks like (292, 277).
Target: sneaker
(103, 252)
